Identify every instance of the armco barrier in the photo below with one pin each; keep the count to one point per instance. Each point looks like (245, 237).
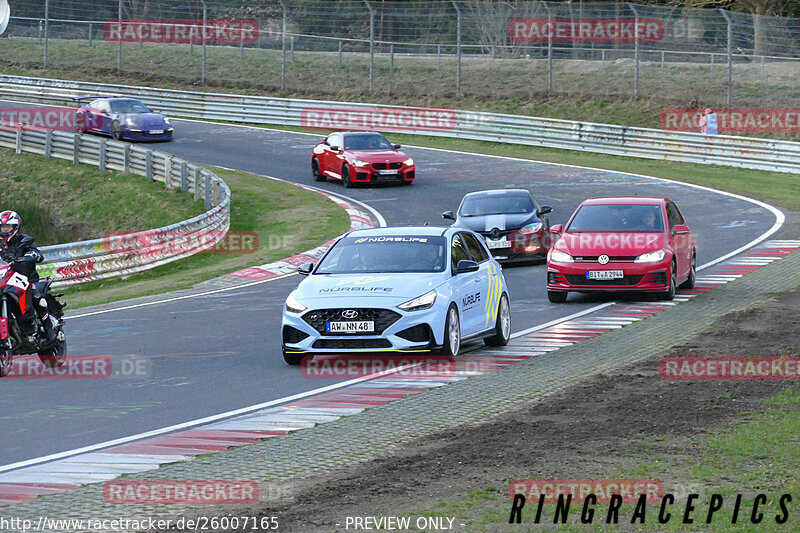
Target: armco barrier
(124, 254)
(744, 152)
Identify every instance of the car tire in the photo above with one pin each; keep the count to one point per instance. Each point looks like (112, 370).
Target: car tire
(669, 294)
(346, 177)
(557, 297)
(292, 358)
(318, 176)
(452, 333)
(692, 279)
(116, 131)
(502, 326)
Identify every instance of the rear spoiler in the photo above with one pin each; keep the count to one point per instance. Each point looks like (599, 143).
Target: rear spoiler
(96, 97)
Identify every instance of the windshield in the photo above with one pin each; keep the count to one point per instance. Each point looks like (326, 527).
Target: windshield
(496, 204)
(125, 107)
(366, 141)
(618, 218)
(385, 253)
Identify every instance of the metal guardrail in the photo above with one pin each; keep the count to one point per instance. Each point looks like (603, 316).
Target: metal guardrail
(122, 254)
(743, 152)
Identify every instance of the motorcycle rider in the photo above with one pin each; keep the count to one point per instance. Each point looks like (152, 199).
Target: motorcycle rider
(20, 252)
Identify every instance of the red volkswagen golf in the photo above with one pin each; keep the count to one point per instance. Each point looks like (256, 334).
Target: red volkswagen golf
(622, 244)
(360, 157)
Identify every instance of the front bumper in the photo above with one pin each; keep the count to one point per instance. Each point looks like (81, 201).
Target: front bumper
(652, 277)
(411, 331)
(145, 135)
(370, 175)
(521, 246)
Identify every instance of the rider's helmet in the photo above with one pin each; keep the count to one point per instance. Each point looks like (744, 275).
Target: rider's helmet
(10, 223)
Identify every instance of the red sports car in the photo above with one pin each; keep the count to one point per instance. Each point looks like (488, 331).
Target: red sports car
(622, 244)
(360, 157)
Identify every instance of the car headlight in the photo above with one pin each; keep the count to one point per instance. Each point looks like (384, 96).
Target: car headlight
(560, 257)
(531, 228)
(166, 121)
(421, 302)
(651, 257)
(409, 162)
(360, 163)
(130, 122)
(294, 306)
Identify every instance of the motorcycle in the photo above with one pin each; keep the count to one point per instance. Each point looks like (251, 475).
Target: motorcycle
(14, 303)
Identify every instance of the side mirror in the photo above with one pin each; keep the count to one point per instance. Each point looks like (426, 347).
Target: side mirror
(106, 113)
(448, 215)
(557, 228)
(544, 210)
(305, 269)
(466, 266)
(680, 229)
(334, 148)
(396, 146)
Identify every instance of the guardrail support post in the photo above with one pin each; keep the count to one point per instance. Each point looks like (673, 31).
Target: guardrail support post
(76, 148)
(391, 57)
(126, 158)
(48, 143)
(46, 29)
(207, 189)
(549, 49)
(167, 172)
(196, 184)
(712, 64)
(90, 35)
(148, 165)
(102, 159)
(18, 145)
(216, 193)
(371, 46)
(730, 57)
(458, 47)
(184, 177)
(340, 53)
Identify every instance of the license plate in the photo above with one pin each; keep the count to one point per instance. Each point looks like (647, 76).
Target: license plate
(389, 172)
(361, 326)
(156, 132)
(500, 243)
(604, 274)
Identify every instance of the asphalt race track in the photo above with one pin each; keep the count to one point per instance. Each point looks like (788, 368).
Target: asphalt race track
(215, 353)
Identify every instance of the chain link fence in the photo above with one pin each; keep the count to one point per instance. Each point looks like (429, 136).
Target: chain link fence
(422, 49)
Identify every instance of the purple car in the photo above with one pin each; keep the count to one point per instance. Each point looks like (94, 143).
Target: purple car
(122, 119)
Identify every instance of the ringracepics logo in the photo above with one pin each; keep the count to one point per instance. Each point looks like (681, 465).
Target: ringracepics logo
(733, 368)
(734, 120)
(180, 492)
(354, 366)
(181, 31)
(378, 119)
(597, 30)
(40, 118)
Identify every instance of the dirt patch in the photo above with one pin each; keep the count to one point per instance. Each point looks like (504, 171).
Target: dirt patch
(587, 431)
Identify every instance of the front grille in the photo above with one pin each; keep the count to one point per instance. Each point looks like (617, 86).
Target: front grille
(488, 234)
(386, 177)
(353, 344)
(611, 258)
(418, 333)
(385, 166)
(292, 335)
(575, 279)
(383, 318)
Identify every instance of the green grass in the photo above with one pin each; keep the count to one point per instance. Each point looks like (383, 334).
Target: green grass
(583, 90)
(277, 212)
(760, 454)
(61, 202)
